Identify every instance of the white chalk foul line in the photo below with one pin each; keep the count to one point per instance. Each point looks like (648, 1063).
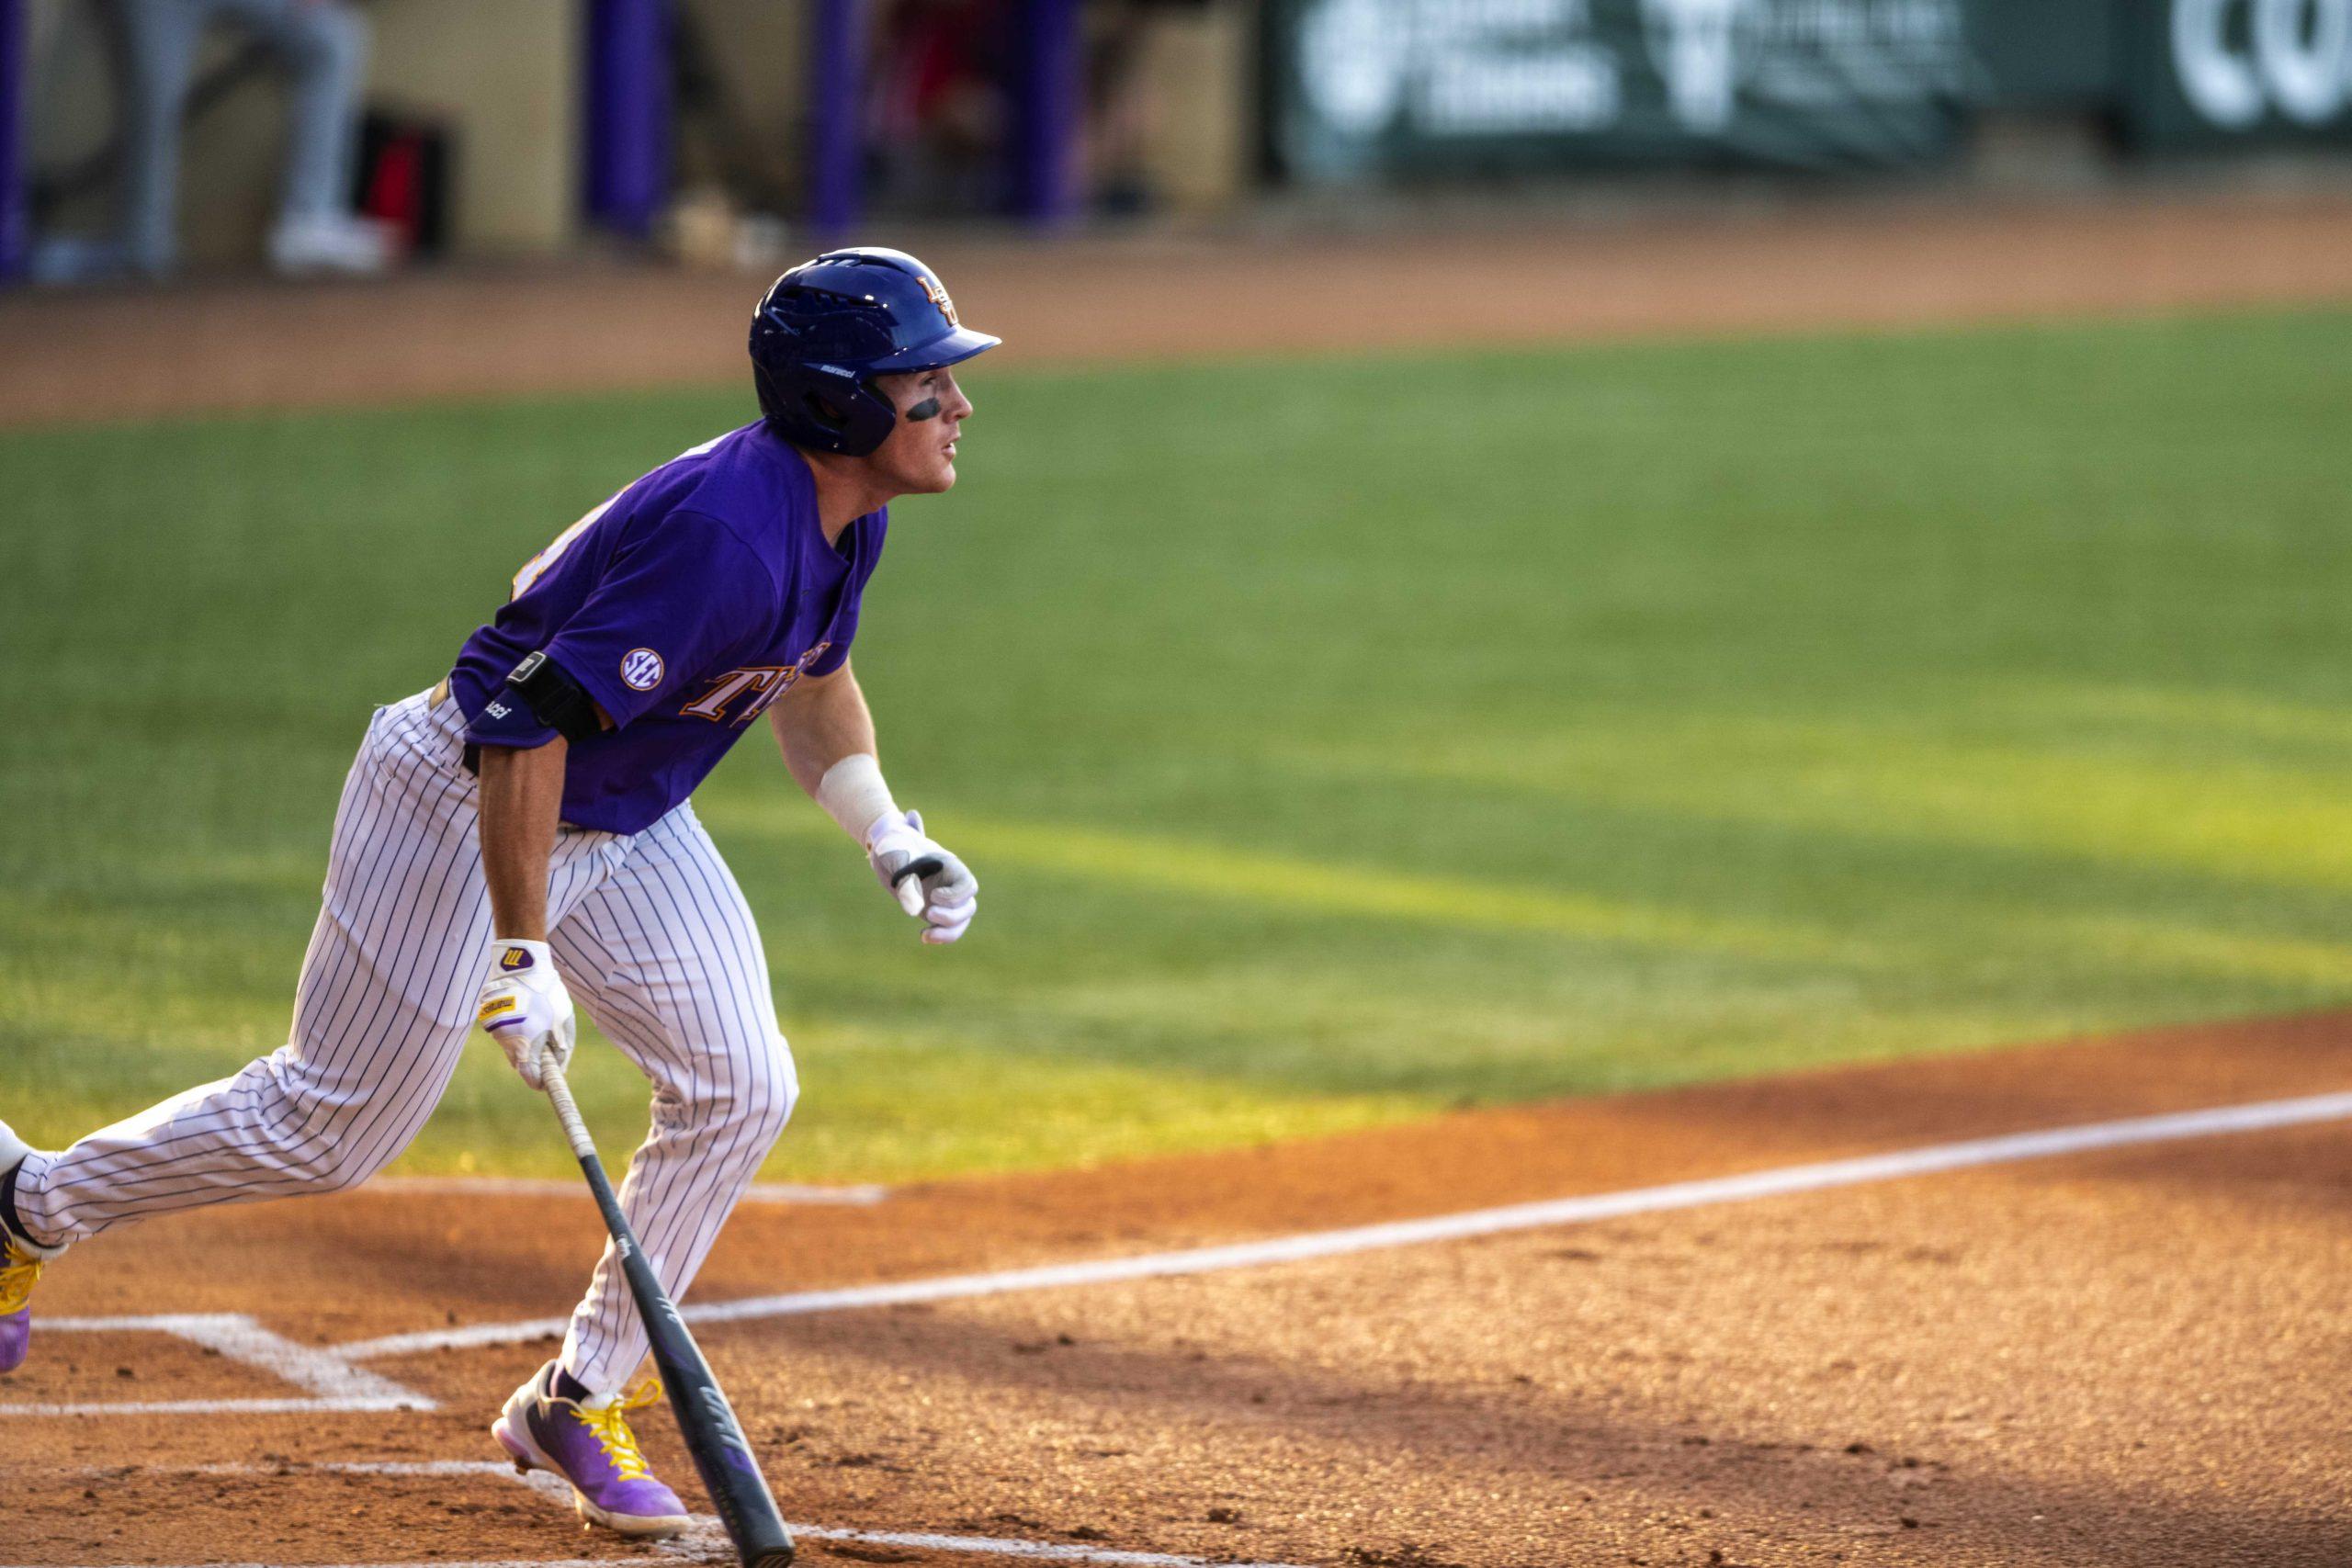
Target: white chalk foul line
(1890, 1167)
(859, 1196)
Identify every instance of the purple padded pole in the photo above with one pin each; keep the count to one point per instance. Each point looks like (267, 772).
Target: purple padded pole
(1046, 110)
(836, 87)
(14, 80)
(628, 114)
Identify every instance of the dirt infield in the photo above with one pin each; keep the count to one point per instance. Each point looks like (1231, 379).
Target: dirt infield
(2126, 1354)
(111, 355)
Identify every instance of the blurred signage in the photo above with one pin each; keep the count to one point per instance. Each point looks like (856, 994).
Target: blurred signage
(1373, 86)
(2217, 73)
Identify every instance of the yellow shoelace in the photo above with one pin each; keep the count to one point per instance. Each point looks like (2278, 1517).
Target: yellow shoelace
(611, 1426)
(18, 1269)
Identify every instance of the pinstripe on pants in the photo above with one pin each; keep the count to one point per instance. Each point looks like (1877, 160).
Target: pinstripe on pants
(653, 936)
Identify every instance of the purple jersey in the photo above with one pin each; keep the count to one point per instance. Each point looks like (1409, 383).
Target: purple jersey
(684, 605)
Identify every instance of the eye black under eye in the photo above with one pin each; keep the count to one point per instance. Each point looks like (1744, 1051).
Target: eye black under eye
(927, 408)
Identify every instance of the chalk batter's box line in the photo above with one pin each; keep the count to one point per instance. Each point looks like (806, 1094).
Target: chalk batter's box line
(329, 1380)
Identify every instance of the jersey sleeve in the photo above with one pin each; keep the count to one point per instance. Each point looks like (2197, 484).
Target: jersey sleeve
(668, 606)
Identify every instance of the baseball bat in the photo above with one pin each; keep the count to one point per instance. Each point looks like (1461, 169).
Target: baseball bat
(928, 865)
(713, 1435)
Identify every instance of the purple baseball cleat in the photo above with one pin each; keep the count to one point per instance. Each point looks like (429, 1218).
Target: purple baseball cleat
(588, 1443)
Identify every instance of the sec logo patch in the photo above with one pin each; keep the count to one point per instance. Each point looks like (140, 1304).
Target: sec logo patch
(641, 668)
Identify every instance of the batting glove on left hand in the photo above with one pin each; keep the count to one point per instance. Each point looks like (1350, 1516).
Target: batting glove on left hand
(525, 1008)
(924, 878)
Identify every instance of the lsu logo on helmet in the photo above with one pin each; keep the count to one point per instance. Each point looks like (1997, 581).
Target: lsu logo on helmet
(938, 296)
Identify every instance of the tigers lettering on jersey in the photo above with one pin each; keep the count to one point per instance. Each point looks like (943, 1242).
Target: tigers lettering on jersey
(763, 683)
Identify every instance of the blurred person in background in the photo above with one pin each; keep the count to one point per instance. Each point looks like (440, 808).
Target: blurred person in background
(935, 110)
(324, 46)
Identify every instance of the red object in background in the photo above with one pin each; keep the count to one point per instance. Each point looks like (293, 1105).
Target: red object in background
(395, 185)
(404, 175)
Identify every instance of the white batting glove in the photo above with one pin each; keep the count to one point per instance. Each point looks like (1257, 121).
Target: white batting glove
(525, 1008)
(925, 879)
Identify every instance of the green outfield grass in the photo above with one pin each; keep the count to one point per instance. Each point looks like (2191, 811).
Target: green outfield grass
(1337, 742)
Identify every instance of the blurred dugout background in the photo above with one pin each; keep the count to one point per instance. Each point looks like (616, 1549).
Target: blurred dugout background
(746, 131)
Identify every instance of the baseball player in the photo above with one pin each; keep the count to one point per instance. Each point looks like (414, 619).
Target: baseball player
(522, 834)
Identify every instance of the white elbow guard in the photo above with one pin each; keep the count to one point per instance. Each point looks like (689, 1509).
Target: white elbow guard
(852, 793)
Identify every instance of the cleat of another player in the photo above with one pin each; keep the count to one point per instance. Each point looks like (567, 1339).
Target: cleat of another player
(19, 1270)
(589, 1444)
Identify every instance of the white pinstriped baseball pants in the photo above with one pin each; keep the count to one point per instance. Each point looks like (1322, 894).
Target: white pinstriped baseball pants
(653, 939)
